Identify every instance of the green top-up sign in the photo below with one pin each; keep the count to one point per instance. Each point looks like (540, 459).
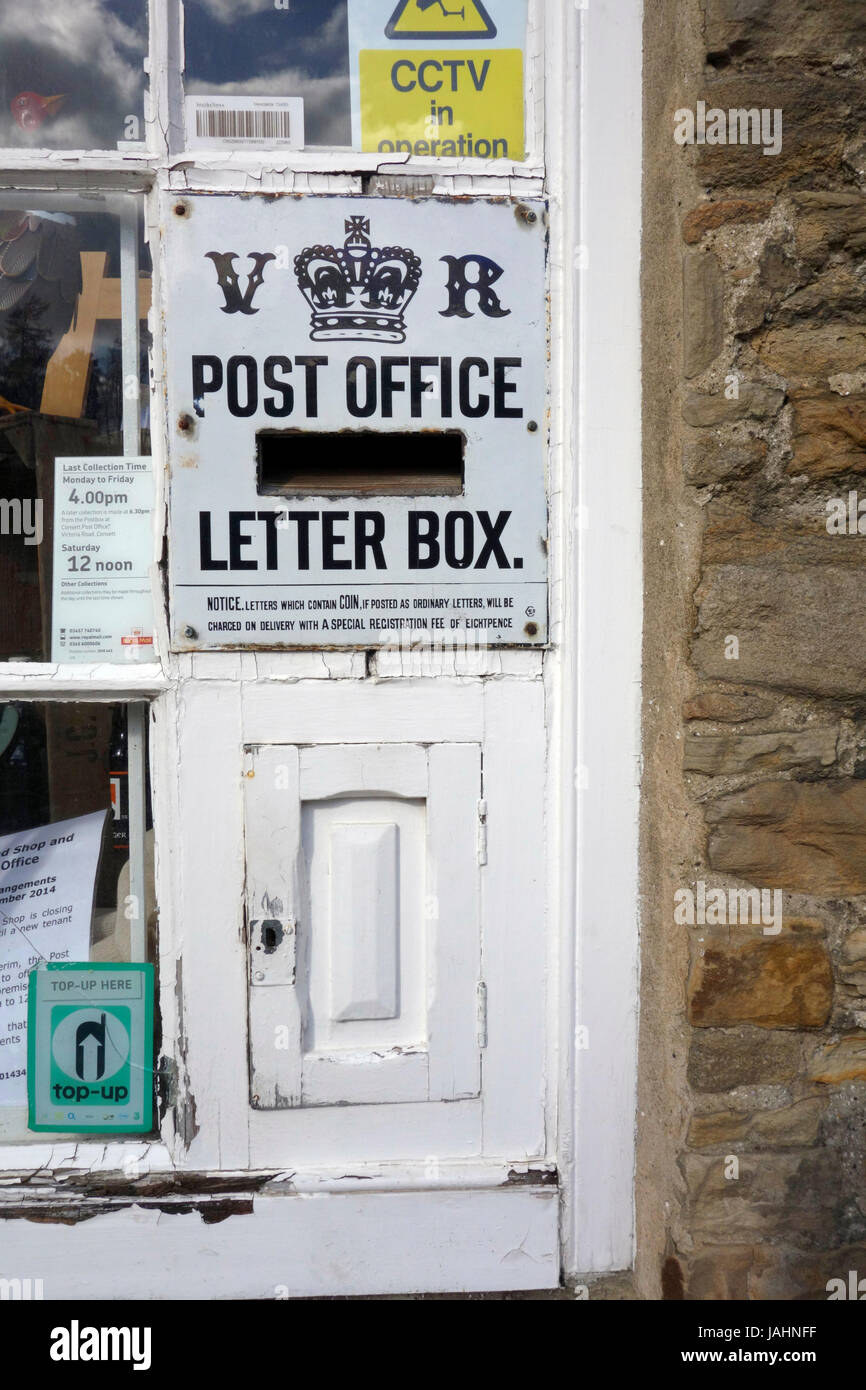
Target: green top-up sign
(90, 1048)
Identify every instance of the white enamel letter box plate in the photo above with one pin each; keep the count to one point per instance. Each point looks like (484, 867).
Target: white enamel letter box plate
(357, 422)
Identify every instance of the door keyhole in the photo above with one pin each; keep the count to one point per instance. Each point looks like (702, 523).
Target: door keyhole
(272, 935)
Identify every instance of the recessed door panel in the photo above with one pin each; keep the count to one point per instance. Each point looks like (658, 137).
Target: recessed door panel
(363, 919)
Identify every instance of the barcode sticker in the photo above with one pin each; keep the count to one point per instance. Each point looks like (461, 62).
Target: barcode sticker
(245, 122)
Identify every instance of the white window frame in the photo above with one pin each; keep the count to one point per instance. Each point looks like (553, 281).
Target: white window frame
(598, 668)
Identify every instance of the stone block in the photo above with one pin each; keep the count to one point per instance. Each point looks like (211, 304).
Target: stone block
(706, 217)
(838, 292)
(775, 1195)
(794, 611)
(798, 1276)
(724, 707)
(828, 221)
(780, 983)
(819, 115)
(766, 1178)
(753, 31)
(753, 402)
(721, 1275)
(707, 458)
(792, 1126)
(854, 947)
(726, 754)
(703, 307)
(720, 1061)
(804, 837)
(800, 352)
(844, 1060)
(724, 1127)
(829, 434)
(733, 1220)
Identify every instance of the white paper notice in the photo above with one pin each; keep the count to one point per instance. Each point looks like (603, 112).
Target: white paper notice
(103, 544)
(47, 879)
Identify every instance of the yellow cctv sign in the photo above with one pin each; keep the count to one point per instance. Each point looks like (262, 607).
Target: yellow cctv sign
(432, 19)
(439, 78)
(443, 104)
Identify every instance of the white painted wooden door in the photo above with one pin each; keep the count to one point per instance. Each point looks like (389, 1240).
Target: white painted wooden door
(383, 906)
(363, 923)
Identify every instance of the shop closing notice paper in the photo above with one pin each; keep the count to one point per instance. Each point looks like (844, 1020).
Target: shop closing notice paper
(47, 879)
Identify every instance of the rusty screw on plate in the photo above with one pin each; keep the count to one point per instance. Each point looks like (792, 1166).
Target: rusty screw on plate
(189, 633)
(531, 629)
(181, 209)
(525, 214)
(532, 426)
(185, 423)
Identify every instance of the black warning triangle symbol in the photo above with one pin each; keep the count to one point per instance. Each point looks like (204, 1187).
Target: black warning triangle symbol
(440, 19)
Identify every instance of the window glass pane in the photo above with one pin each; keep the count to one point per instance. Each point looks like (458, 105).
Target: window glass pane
(68, 768)
(72, 73)
(254, 49)
(73, 383)
(426, 77)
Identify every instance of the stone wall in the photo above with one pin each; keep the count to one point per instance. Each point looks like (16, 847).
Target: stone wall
(752, 1135)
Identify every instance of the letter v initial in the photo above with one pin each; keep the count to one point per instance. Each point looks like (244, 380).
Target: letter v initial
(230, 284)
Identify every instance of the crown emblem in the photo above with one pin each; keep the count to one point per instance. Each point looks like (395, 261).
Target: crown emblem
(358, 290)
